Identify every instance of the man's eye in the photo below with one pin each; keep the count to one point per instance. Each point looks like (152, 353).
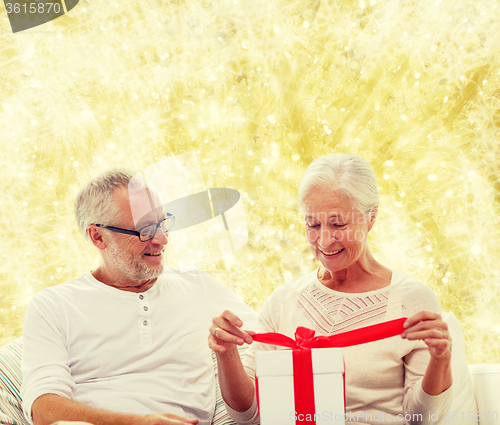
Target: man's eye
(339, 226)
(312, 226)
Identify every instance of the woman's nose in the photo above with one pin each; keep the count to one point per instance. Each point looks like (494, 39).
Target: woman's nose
(327, 237)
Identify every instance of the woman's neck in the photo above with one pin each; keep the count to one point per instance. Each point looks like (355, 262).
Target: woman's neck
(368, 276)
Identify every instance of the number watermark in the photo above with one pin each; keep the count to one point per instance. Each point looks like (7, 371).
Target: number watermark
(25, 14)
(34, 8)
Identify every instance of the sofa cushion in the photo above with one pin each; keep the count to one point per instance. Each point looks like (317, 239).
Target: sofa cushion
(486, 379)
(11, 411)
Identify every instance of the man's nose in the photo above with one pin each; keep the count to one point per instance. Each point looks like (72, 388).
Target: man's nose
(160, 238)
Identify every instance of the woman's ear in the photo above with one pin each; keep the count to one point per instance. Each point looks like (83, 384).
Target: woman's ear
(95, 235)
(373, 217)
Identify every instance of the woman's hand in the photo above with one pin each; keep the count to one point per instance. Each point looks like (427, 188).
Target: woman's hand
(226, 332)
(433, 330)
(236, 387)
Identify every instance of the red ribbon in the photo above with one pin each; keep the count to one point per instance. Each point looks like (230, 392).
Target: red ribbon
(302, 362)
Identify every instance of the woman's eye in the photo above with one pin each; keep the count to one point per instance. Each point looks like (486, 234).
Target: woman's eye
(312, 226)
(339, 226)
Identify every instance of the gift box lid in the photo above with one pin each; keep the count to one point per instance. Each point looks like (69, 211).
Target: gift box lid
(280, 362)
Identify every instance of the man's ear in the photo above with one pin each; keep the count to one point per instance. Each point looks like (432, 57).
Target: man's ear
(95, 235)
(373, 217)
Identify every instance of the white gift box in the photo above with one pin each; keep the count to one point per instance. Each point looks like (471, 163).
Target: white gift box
(274, 370)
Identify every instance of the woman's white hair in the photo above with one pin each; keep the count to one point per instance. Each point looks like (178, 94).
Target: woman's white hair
(95, 202)
(348, 175)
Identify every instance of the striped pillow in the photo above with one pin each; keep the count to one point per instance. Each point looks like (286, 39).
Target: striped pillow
(11, 411)
(221, 417)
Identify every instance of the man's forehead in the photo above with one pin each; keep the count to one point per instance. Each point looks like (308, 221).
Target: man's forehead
(152, 217)
(146, 206)
(147, 195)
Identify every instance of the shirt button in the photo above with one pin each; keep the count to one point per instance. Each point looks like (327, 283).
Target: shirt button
(145, 308)
(141, 297)
(145, 323)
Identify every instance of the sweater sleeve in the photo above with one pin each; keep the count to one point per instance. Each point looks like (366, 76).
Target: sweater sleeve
(45, 360)
(421, 407)
(424, 409)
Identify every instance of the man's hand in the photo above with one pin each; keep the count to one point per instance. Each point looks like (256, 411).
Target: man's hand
(156, 419)
(168, 419)
(49, 408)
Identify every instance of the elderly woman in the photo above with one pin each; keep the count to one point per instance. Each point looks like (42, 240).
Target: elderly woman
(391, 378)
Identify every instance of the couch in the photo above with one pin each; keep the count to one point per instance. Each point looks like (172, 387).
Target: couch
(476, 387)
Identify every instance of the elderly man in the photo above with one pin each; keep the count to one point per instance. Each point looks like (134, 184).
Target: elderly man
(126, 342)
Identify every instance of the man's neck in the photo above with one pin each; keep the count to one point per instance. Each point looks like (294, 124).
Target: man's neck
(123, 284)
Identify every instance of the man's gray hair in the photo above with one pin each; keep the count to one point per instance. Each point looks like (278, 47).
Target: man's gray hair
(349, 175)
(95, 203)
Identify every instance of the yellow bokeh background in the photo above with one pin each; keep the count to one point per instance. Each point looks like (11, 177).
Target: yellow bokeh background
(258, 89)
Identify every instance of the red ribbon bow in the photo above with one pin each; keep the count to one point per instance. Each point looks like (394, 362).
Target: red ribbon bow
(302, 363)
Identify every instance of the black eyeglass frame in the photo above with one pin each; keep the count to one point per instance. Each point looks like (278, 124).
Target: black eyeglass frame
(138, 232)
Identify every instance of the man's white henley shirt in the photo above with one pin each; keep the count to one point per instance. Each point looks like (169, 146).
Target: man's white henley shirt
(127, 352)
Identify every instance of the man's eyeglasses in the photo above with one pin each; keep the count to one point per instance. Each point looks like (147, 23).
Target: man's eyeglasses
(148, 232)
